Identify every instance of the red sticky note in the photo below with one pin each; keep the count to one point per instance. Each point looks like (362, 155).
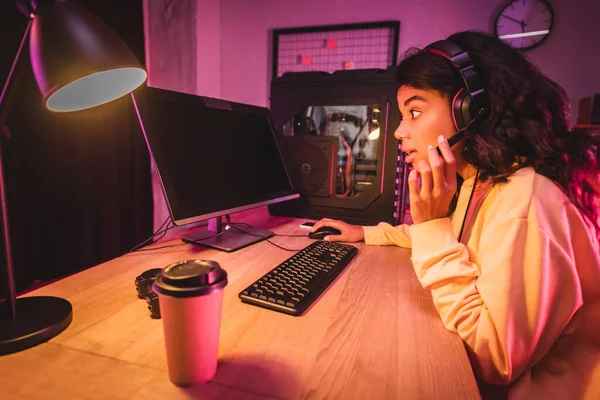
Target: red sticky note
(330, 44)
(305, 59)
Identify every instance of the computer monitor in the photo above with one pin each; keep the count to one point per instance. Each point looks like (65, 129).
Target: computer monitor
(214, 158)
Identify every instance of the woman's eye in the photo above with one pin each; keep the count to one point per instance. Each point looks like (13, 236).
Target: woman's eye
(415, 113)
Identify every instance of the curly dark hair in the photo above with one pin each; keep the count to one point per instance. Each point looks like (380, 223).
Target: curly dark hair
(528, 123)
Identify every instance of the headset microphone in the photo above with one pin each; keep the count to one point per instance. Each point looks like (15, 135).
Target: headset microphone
(460, 134)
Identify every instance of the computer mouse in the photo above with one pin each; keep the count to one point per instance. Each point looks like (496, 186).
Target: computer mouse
(323, 231)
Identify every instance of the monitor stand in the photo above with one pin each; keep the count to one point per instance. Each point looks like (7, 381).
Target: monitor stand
(229, 240)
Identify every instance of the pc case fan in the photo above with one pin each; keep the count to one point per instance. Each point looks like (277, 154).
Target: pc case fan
(310, 163)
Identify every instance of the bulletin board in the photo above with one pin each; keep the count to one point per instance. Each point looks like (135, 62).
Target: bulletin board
(331, 48)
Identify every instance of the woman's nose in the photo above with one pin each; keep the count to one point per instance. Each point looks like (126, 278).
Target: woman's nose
(400, 133)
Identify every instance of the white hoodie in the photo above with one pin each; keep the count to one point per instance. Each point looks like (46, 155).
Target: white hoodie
(523, 292)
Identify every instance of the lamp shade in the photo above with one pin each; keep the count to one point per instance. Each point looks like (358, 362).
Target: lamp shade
(78, 61)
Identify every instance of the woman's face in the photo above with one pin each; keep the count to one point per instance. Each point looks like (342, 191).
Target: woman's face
(425, 116)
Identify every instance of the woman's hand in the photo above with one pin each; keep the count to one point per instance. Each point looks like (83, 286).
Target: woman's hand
(432, 198)
(350, 233)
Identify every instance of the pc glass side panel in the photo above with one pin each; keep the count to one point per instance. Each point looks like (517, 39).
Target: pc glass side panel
(337, 137)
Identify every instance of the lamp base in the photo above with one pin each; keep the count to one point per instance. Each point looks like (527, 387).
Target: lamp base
(38, 319)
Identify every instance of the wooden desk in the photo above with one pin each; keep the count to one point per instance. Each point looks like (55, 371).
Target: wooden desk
(374, 334)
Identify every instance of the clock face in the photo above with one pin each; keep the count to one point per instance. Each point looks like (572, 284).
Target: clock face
(524, 24)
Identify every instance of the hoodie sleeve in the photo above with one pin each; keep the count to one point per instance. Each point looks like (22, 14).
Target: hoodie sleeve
(509, 314)
(385, 234)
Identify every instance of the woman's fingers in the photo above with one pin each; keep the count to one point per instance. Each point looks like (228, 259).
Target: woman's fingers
(328, 222)
(449, 162)
(432, 183)
(319, 224)
(335, 238)
(437, 173)
(426, 180)
(413, 185)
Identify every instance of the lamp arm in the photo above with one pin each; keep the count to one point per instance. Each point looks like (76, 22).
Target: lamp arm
(4, 100)
(6, 265)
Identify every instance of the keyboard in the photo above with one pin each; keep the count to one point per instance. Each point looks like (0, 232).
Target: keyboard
(292, 286)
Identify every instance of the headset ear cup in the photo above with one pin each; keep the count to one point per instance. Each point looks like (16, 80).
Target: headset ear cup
(461, 109)
(464, 108)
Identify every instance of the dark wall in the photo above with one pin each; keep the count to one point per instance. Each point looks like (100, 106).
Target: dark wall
(78, 184)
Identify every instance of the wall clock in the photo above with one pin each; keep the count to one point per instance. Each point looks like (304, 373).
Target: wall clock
(524, 24)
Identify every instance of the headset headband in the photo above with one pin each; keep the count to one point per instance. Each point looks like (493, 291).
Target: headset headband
(462, 62)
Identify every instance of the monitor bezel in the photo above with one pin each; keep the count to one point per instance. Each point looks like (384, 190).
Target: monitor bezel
(208, 102)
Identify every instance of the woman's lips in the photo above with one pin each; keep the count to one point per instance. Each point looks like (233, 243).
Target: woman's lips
(410, 155)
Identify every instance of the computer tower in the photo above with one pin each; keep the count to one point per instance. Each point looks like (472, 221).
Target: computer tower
(336, 134)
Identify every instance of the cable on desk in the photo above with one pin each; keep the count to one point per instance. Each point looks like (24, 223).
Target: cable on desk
(161, 230)
(164, 232)
(276, 234)
(227, 227)
(160, 247)
(274, 244)
(158, 231)
(283, 248)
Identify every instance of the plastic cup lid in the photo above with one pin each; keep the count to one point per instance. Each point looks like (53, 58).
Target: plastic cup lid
(191, 278)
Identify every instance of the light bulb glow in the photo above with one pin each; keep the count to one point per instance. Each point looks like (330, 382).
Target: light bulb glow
(96, 89)
(374, 135)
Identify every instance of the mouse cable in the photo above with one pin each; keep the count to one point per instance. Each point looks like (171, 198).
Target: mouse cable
(283, 248)
(274, 244)
(279, 234)
(276, 234)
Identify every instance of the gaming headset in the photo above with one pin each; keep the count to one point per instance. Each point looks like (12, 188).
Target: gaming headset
(472, 100)
(469, 103)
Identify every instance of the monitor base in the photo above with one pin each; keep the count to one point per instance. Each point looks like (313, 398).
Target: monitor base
(229, 240)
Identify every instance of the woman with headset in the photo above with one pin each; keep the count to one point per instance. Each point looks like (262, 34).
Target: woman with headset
(513, 265)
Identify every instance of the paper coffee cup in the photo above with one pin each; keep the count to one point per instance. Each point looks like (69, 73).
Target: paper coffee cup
(190, 295)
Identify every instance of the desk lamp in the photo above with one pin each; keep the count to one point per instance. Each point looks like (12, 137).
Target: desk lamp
(78, 63)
